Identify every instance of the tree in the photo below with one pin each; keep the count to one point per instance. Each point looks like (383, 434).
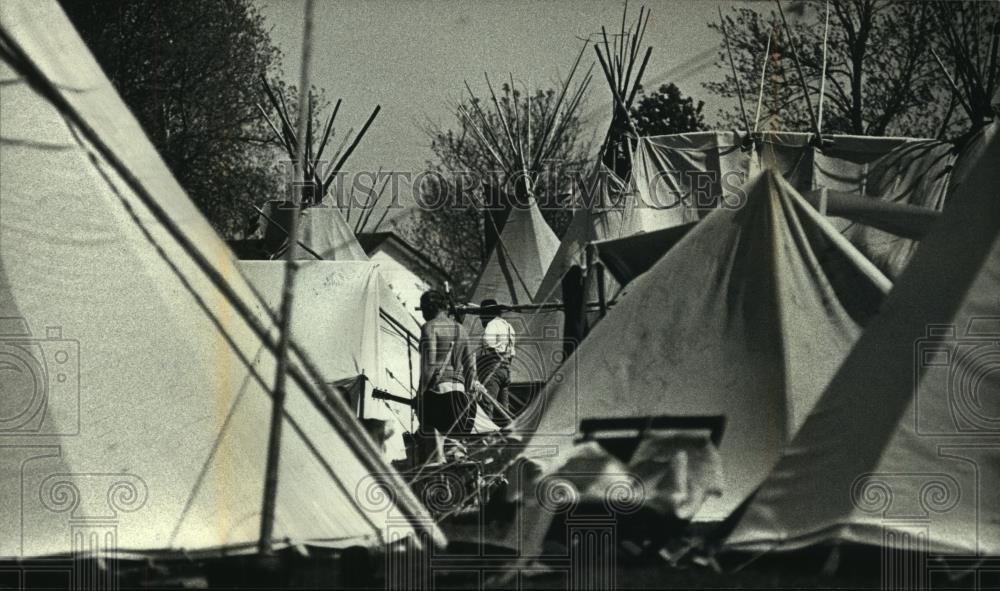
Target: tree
(191, 75)
(968, 47)
(880, 76)
(667, 111)
(464, 176)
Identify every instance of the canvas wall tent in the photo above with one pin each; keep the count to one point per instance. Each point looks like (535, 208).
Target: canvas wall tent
(748, 316)
(696, 172)
(903, 448)
(138, 407)
(352, 325)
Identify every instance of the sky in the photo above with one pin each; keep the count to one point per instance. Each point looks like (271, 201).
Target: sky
(412, 57)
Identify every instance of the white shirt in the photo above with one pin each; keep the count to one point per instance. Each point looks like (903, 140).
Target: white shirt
(499, 336)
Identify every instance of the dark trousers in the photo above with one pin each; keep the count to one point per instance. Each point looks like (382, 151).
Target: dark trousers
(493, 372)
(447, 413)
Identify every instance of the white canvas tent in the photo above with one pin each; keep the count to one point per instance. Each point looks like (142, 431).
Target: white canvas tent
(609, 208)
(322, 228)
(352, 325)
(137, 379)
(903, 448)
(523, 252)
(511, 276)
(693, 173)
(748, 316)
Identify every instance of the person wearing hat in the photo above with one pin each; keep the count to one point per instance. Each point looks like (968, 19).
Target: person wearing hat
(447, 377)
(494, 359)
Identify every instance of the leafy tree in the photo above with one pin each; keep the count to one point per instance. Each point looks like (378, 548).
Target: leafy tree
(968, 44)
(881, 79)
(667, 111)
(464, 176)
(191, 75)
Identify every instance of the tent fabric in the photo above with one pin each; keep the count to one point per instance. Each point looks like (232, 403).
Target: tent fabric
(321, 227)
(324, 231)
(609, 208)
(904, 443)
(340, 318)
(627, 258)
(748, 316)
(601, 214)
(511, 276)
(142, 395)
(517, 264)
(693, 173)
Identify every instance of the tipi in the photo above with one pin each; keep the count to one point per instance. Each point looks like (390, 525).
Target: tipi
(903, 448)
(748, 316)
(525, 245)
(137, 377)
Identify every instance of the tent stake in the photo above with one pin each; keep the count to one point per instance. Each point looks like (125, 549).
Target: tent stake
(287, 297)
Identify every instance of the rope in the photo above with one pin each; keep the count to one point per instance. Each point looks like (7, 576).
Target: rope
(309, 378)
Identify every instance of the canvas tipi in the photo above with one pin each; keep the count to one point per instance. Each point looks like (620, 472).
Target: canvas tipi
(903, 448)
(748, 316)
(521, 142)
(137, 377)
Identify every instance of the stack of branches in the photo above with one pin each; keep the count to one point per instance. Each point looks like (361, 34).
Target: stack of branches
(969, 37)
(320, 174)
(618, 62)
(520, 146)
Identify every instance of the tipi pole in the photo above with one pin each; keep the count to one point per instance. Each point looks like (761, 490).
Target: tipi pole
(798, 67)
(287, 297)
(763, 73)
(736, 76)
(954, 87)
(822, 81)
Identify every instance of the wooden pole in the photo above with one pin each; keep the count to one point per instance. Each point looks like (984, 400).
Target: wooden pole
(798, 67)
(954, 87)
(602, 296)
(822, 81)
(350, 149)
(287, 297)
(763, 74)
(736, 77)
